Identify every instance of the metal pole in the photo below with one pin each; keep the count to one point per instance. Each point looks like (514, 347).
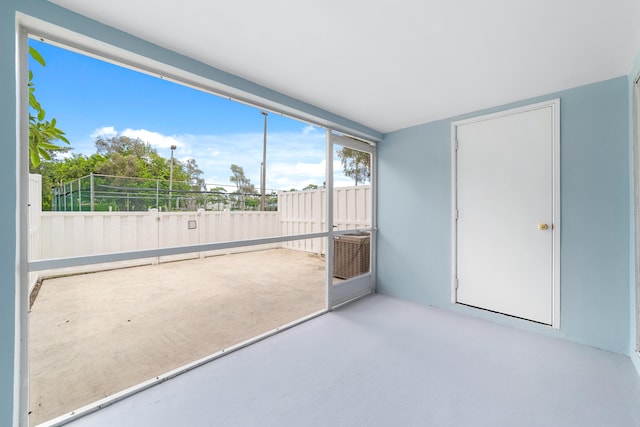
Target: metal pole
(79, 195)
(329, 218)
(173, 147)
(158, 194)
(93, 192)
(263, 178)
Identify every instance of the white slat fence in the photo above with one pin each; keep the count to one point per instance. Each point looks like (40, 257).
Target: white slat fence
(71, 234)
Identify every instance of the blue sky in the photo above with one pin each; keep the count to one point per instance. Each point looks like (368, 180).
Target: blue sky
(91, 98)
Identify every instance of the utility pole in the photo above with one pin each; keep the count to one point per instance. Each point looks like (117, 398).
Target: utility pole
(263, 178)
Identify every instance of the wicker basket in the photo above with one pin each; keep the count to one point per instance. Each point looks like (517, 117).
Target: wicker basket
(351, 255)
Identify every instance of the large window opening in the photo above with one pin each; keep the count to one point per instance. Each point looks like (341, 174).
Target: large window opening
(175, 226)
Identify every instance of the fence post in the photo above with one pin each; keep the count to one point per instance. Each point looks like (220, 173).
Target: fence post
(201, 229)
(228, 231)
(79, 195)
(93, 194)
(318, 209)
(155, 230)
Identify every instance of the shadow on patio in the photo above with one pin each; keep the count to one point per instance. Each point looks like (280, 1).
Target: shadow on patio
(93, 335)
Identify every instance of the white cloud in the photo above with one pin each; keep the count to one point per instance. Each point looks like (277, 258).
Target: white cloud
(294, 159)
(315, 170)
(105, 132)
(309, 129)
(285, 176)
(154, 138)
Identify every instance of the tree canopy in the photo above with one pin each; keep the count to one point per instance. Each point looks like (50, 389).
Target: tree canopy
(356, 164)
(42, 132)
(120, 156)
(245, 190)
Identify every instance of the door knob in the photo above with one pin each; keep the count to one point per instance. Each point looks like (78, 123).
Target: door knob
(543, 227)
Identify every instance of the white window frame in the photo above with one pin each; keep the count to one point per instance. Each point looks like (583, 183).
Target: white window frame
(635, 108)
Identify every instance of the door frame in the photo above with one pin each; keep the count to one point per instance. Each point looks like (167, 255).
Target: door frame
(635, 111)
(364, 284)
(554, 104)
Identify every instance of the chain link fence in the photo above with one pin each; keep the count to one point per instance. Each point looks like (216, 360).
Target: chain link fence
(102, 193)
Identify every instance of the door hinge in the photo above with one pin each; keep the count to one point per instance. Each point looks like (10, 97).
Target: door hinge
(455, 144)
(457, 214)
(455, 283)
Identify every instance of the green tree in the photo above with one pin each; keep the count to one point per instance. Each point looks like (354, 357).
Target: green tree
(124, 145)
(244, 187)
(132, 157)
(55, 172)
(126, 157)
(310, 187)
(356, 164)
(195, 175)
(272, 201)
(218, 197)
(42, 132)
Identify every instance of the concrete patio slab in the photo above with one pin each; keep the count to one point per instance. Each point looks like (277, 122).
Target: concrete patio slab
(92, 335)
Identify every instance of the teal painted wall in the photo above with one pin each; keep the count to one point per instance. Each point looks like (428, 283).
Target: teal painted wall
(7, 210)
(414, 215)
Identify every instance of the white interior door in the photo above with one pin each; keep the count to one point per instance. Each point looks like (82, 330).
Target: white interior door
(506, 211)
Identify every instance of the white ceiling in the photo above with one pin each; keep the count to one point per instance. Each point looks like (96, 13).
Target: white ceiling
(392, 64)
